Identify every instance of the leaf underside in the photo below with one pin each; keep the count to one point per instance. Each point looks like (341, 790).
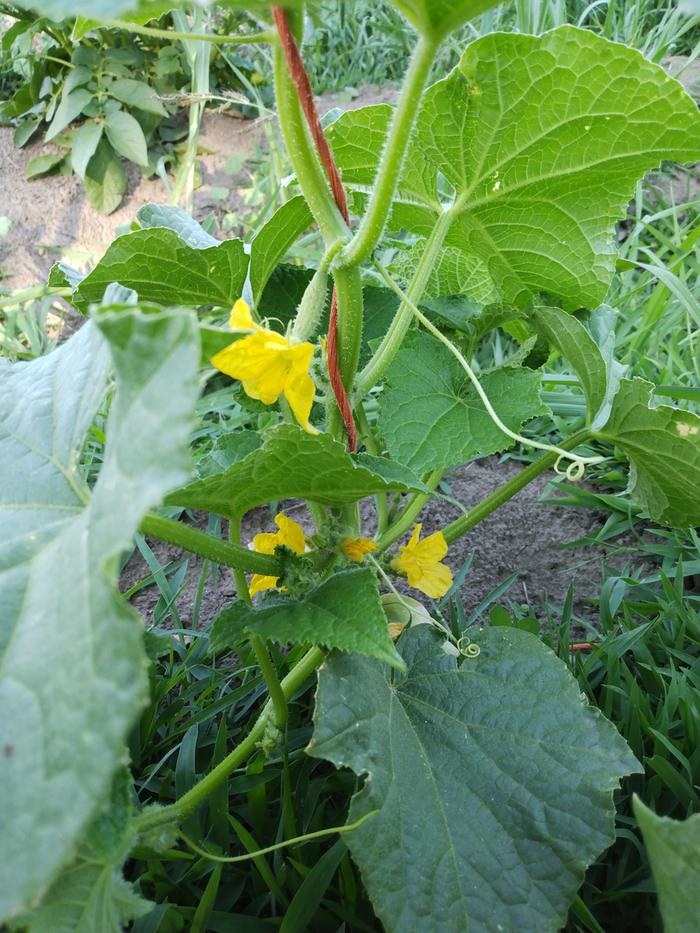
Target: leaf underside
(72, 665)
(542, 139)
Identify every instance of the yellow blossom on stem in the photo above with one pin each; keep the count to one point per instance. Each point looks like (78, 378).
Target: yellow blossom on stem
(356, 548)
(290, 534)
(268, 365)
(420, 562)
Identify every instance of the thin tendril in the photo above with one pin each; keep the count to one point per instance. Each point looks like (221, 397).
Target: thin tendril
(577, 465)
(298, 840)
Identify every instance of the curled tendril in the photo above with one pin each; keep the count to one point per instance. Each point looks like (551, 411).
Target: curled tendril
(575, 469)
(467, 648)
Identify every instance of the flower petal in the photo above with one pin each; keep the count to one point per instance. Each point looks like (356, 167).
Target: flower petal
(435, 581)
(299, 392)
(266, 542)
(241, 317)
(432, 548)
(259, 583)
(290, 533)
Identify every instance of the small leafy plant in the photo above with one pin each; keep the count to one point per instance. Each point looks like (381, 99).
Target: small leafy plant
(487, 200)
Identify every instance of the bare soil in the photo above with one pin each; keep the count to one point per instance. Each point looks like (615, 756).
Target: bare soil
(525, 537)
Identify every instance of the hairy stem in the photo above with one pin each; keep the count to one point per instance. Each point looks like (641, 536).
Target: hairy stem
(389, 347)
(198, 794)
(253, 39)
(274, 687)
(197, 542)
(307, 167)
(505, 492)
(372, 226)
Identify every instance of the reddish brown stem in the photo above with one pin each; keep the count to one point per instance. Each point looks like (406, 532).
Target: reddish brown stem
(299, 76)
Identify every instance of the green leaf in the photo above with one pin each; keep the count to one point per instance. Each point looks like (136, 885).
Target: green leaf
(105, 181)
(674, 852)
(85, 141)
(161, 267)
(663, 445)
(174, 218)
(437, 18)
(432, 418)
(493, 781)
(43, 164)
(140, 11)
(137, 94)
(91, 895)
(294, 464)
(543, 139)
(70, 107)
(126, 135)
(274, 239)
(72, 666)
(344, 612)
(599, 376)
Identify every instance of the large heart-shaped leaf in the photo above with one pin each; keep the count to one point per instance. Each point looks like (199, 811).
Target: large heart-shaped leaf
(436, 18)
(72, 666)
(493, 781)
(663, 445)
(293, 464)
(431, 415)
(273, 240)
(674, 853)
(161, 267)
(542, 139)
(343, 612)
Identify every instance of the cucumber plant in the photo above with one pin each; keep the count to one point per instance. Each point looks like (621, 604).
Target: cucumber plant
(486, 200)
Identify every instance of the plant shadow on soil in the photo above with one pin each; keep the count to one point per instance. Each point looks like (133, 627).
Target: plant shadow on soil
(525, 536)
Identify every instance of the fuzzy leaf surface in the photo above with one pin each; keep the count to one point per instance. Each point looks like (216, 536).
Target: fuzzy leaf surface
(543, 139)
(72, 665)
(663, 446)
(91, 894)
(439, 17)
(674, 853)
(344, 612)
(160, 267)
(431, 416)
(294, 464)
(493, 781)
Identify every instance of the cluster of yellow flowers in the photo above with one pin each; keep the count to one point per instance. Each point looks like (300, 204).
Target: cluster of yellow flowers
(268, 365)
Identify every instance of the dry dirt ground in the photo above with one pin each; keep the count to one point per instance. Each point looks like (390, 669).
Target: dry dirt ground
(51, 219)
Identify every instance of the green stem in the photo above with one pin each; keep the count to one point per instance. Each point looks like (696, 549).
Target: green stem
(367, 435)
(372, 226)
(389, 347)
(505, 492)
(198, 794)
(255, 39)
(197, 542)
(307, 167)
(410, 513)
(274, 687)
(348, 286)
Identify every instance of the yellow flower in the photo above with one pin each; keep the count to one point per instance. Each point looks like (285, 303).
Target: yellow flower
(420, 561)
(395, 629)
(268, 365)
(290, 534)
(356, 548)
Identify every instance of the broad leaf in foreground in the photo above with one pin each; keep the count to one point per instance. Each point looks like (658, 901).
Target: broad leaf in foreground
(72, 666)
(343, 612)
(663, 446)
(160, 267)
(294, 464)
(431, 416)
(543, 139)
(674, 854)
(493, 781)
(91, 894)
